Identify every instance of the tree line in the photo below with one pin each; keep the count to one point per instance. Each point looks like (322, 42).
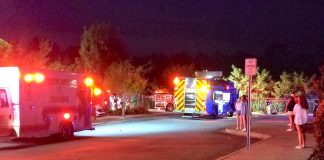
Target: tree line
(102, 54)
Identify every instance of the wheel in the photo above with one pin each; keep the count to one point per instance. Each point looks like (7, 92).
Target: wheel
(169, 107)
(229, 114)
(66, 131)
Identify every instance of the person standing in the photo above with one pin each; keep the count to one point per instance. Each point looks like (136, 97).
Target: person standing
(300, 112)
(289, 109)
(315, 108)
(244, 107)
(241, 112)
(238, 110)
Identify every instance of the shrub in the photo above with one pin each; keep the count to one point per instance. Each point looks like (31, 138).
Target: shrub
(278, 107)
(130, 111)
(117, 112)
(319, 128)
(141, 110)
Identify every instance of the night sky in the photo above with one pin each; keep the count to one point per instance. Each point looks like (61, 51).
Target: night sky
(172, 25)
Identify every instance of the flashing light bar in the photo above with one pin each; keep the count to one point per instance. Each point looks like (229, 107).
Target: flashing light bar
(176, 80)
(37, 77)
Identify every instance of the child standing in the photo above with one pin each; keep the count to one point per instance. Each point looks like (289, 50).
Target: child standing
(300, 112)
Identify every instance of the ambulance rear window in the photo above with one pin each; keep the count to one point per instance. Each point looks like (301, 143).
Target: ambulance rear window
(3, 98)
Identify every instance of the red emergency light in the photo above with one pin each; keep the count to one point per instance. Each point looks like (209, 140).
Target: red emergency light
(176, 80)
(66, 116)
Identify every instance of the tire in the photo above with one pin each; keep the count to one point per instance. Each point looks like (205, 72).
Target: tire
(169, 107)
(12, 133)
(229, 114)
(66, 131)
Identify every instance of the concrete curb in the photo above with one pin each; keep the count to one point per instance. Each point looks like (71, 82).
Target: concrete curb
(253, 134)
(256, 135)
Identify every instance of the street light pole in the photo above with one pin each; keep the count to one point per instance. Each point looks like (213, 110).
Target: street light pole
(93, 108)
(89, 83)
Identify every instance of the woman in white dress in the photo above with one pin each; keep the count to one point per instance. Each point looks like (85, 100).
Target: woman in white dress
(300, 112)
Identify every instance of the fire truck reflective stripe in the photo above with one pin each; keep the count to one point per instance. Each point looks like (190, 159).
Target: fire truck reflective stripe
(180, 107)
(200, 95)
(180, 89)
(179, 95)
(180, 103)
(181, 83)
(199, 107)
(200, 102)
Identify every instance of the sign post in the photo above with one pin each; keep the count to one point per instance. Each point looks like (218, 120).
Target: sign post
(250, 70)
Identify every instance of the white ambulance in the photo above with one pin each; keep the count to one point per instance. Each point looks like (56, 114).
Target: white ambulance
(43, 103)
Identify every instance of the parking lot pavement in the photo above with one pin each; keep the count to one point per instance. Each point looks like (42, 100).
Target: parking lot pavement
(116, 118)
(7, 142)
(276, 142)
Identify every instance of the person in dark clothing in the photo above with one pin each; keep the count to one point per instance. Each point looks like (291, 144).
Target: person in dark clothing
(289, 109)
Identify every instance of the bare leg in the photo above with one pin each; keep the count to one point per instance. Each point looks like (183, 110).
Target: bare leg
(237, 122)
(292, 125)
(299, 132)
(302, 136)
(244, 121)
(291, 121)
(241, 121)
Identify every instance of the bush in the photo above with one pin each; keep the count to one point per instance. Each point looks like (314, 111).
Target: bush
(117, 112)
(130, 111)
(278, 107)
(141, 110)
(259, 106)
(319, 128)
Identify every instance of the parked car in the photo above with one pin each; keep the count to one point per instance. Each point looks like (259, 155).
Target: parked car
(99, 110)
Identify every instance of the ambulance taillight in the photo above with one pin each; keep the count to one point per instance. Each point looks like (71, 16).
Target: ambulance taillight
(66, 116)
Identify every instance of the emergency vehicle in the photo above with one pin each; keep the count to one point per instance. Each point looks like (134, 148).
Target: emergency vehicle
(163, 100)
(43, 103)
(204, 95)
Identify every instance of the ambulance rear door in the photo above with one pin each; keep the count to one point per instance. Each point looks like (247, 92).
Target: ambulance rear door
(6, 112)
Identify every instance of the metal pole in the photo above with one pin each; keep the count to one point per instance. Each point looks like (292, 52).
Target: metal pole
(249, 115)
(93, 107)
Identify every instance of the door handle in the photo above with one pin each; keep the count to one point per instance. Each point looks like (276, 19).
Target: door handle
(9, 116)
